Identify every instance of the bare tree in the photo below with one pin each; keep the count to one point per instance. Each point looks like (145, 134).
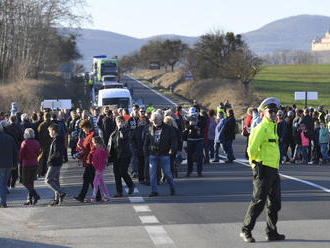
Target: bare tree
(29, 30)
(242, 65)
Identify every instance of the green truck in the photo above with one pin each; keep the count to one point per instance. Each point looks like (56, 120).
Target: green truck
(103, 66)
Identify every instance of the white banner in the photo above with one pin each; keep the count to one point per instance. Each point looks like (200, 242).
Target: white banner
(301, 95)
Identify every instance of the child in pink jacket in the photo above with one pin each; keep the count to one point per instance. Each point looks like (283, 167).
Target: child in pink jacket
(99, 161)
(304, 143)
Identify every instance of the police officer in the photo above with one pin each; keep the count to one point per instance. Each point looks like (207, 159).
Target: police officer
(91, 83)
(264, 156)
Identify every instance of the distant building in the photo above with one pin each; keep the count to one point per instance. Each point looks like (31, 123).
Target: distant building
(322, 44)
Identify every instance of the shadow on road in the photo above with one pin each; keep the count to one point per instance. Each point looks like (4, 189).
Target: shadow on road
(6, 242)
(299, 241)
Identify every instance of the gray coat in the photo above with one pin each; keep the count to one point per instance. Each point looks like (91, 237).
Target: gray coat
(8, 151)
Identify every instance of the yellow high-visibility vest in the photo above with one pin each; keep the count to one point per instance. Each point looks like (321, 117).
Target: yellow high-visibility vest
(264, 145)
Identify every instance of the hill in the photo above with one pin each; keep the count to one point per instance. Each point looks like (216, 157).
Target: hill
(292, 33)
(93, 42)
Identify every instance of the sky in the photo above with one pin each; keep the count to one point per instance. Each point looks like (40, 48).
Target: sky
(145, 18)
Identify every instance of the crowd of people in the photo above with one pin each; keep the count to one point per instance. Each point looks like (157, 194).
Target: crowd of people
(303, 133)
(152, 142)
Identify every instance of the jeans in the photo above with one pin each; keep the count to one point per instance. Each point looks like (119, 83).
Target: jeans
(304, 150)
(217, 146)
(164, 162)
(141, 163)
(297, 150)
(228, 147)
(146, 170)
(52, 178)
(208, 150)
(134, 159)
(324, 149)
(4, 176)
(282, 147)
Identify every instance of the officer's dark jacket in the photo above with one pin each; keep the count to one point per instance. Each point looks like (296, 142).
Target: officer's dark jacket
(168, 141)
(118, 146)
(56, 151)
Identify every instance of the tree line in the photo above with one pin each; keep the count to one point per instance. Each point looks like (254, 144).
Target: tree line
(286, 57)
(31, 39)
(215, 54)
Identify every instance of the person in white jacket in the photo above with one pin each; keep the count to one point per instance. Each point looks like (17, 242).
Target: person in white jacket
(217, 140)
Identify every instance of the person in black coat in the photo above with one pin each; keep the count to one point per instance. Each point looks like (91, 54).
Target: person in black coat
(55, 162)
(229, 135)
(296, 131)
(120, 154)
(16, 132)
(137, 140)
(290, 140)
(282, 134)
(8, 159)
(172, 123)
(159, 143)
(108, 126)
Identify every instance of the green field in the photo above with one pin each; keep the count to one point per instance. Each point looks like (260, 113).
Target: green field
(283, 80)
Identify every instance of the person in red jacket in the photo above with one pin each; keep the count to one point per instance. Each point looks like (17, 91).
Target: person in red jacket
(88, 149)
(99, 162)
(247, 127)
(28, 155)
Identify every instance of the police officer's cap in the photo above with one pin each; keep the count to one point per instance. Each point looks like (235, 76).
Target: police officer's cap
(269, 103)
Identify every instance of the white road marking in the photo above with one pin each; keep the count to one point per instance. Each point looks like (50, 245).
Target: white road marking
(136, 199)
(158, 235)
(141, 209)
(293, 178)
(154, 91)
(149, 219)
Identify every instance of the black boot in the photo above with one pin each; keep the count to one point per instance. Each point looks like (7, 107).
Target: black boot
(29, 200)
(36, 197)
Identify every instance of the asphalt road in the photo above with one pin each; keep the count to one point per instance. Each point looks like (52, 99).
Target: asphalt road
(205, 212)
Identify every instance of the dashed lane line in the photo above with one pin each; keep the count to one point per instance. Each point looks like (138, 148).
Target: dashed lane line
(149, 219)
(159, 235)
(141, 209)
(240, 161)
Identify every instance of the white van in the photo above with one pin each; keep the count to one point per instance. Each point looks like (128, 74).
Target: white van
(120, 97)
